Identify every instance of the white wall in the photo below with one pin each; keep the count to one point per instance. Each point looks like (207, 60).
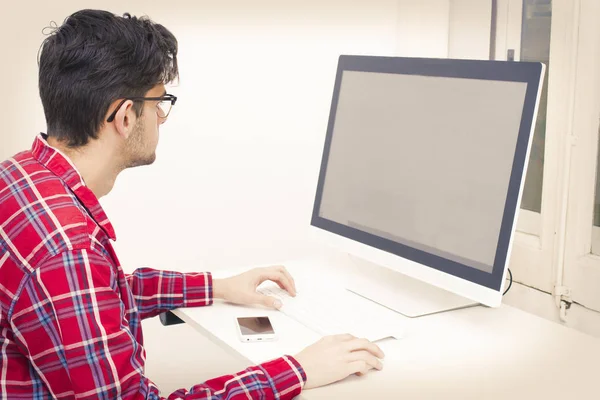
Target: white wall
(444, 28)
(422, 28)
(469, 21)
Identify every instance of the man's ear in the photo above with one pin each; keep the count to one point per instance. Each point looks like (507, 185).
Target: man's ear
(125, 119)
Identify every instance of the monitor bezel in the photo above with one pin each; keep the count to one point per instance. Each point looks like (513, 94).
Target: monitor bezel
(530, 73)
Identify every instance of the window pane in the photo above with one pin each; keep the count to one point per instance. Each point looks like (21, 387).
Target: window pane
(535, 46)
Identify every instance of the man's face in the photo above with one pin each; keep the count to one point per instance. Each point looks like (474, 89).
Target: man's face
(140, 148)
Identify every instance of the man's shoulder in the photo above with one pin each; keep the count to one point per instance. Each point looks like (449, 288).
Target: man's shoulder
(39, 214)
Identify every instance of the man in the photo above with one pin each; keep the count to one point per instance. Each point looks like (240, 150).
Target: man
(70, 318)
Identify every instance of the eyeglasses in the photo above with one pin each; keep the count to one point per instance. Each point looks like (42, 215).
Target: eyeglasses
(165, 103)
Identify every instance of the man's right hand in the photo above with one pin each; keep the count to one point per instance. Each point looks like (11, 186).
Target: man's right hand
(333, 358)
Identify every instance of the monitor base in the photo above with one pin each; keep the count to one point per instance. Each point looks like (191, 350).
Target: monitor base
(401, 293)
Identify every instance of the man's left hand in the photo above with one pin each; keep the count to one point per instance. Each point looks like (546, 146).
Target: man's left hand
(241, 289)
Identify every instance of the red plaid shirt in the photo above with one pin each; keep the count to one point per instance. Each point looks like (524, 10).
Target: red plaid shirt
(70, 318)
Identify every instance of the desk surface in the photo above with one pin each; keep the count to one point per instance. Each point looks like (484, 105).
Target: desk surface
(474, 353)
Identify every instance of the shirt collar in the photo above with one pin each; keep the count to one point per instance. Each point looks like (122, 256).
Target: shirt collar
(61, 166)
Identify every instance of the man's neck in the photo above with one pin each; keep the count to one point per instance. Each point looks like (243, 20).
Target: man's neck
(97, 167)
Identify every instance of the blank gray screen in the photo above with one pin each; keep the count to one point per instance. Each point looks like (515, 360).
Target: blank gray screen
(424, 161)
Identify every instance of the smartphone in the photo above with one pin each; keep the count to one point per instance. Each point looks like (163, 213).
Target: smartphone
(255, 329)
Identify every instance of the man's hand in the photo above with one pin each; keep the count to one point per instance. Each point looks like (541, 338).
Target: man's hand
(333, 358)
(241, 289)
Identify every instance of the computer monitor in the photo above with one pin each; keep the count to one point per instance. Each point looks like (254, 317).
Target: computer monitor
(423, 169)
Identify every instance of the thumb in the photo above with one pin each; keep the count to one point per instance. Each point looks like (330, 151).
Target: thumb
(267, 301)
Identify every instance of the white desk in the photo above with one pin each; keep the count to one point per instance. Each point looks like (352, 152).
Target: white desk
(476, 353)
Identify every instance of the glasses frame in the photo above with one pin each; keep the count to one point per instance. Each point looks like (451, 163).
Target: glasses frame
(166, 97)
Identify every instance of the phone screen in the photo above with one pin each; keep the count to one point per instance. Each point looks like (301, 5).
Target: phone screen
(255, 326)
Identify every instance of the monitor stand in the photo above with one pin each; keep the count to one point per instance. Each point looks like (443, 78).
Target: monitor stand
(401, 293)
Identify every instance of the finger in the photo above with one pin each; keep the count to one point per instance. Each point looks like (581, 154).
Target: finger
(286, 281)
(287, 274)
(363, 355)
(278, 277)
(267, 301)
(358, 368)
(364, 344)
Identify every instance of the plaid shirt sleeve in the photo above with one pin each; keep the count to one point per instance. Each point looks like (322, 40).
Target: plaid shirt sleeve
(70, 322)
(156, 291)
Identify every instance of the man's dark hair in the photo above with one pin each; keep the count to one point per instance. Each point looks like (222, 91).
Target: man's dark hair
(95, 58)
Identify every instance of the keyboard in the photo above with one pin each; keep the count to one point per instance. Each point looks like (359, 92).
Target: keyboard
(329, 311)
